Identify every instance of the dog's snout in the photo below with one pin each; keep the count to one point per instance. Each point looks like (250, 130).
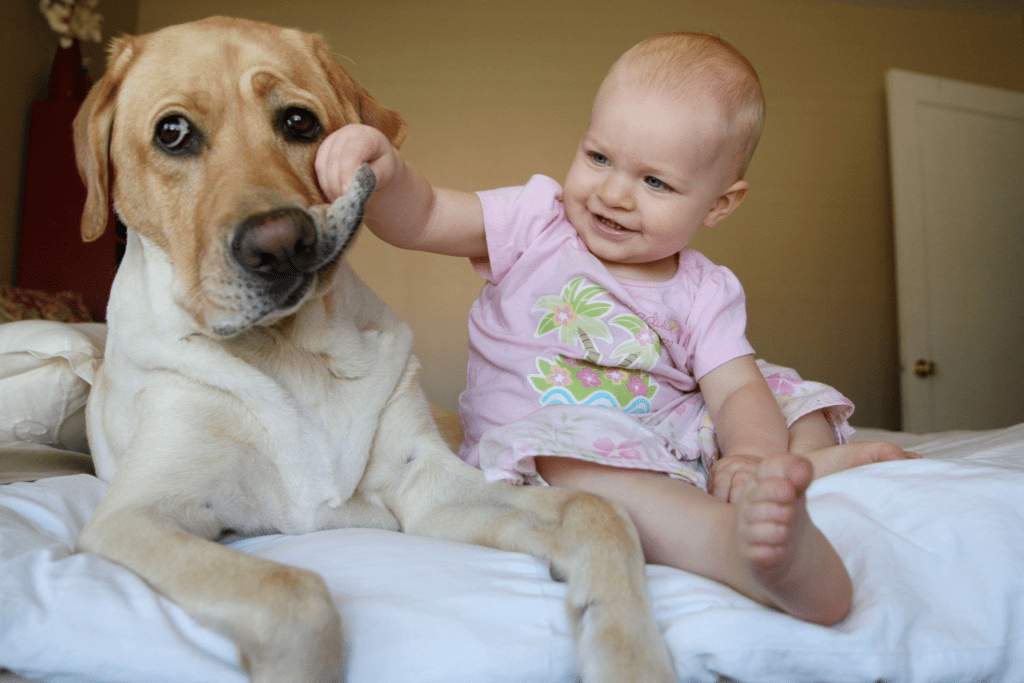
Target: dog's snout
(276, 243)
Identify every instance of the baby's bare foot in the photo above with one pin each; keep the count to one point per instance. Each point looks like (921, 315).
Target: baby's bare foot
(788, 557)
(848, 455)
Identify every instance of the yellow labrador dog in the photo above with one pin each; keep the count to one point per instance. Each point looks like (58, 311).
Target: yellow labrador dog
(253, 384)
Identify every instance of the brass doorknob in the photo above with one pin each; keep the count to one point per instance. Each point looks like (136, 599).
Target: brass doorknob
(924, 368)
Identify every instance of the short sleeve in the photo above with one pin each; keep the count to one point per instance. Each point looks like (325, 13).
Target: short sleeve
(718, 320)
(513, 217)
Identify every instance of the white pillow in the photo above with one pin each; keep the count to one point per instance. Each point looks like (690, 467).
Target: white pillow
(46, 370)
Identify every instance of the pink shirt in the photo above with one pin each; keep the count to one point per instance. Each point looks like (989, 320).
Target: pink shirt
(552, 325)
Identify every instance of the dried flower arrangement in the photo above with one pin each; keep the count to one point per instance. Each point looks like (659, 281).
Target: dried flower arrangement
(73, 19)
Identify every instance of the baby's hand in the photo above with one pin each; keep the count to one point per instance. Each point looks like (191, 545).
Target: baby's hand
(731, 475)
(344, 150)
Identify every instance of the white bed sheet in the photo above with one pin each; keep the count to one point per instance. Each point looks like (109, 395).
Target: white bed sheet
(935, 548)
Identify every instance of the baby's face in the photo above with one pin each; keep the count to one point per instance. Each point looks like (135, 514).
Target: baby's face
(647, 172)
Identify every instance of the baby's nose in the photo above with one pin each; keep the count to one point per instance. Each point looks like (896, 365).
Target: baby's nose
(616, 192)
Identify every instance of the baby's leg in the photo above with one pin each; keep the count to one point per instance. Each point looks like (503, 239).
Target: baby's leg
(812, 437)
(766, 546)
(811, 432)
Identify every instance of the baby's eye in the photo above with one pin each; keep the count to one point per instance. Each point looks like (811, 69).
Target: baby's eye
(599, 159)
(655, 183)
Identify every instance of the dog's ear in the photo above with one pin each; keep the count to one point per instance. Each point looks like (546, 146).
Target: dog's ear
(92, 129)
(370, 111)
(388, 121)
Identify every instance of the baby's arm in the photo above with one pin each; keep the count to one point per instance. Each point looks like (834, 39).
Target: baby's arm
(404, 209)
(749, 425)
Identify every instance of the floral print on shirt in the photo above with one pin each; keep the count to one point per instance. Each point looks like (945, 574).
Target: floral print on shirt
(620, 380)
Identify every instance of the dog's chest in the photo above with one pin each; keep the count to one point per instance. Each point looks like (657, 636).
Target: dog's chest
(319, 437)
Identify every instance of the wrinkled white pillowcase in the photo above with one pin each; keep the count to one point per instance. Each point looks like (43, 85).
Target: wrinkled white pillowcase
(46, 370)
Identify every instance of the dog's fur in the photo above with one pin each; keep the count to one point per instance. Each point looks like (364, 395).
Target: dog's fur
(253, 384)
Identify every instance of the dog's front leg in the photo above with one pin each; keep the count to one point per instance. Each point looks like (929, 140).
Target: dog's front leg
(589, 543)
(282, 618)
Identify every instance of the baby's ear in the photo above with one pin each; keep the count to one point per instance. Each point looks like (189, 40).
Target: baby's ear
(726, 203)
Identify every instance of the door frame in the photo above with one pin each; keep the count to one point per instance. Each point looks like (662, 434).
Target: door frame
(906, 93)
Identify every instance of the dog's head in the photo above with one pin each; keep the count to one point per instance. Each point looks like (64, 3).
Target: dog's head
(204, 134)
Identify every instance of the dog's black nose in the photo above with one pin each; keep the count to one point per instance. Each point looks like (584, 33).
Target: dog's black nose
(276, 243)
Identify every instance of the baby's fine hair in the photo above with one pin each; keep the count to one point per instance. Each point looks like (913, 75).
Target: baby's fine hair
(685, 63)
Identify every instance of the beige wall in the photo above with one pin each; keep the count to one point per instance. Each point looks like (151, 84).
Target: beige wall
(496, 91)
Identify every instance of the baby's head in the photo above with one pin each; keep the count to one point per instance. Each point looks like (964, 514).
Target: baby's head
(672, 129)
(701, 68)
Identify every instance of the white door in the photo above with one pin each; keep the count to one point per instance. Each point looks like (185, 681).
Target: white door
(957, 153)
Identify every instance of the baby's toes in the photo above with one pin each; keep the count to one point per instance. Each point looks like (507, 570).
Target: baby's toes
(765, 556)
(777, 491)
(879, 451)
(788, 467)
(767, 522)
(769, 512)
(766, 542)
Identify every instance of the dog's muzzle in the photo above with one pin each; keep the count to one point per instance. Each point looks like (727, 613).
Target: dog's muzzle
(278, 253)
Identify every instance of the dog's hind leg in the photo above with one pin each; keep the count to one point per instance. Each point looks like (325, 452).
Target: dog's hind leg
(589, 542)
(282, 618)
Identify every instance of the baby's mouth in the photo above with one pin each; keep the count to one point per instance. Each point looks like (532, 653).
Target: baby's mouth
(609, 223)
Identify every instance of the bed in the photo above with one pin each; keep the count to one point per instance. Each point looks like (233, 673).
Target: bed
(935, 548)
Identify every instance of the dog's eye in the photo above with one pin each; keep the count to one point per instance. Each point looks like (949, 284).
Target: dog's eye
(175, 135)
(300, 125)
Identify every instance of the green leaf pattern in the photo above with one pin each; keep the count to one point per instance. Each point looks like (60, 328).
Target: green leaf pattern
(643, 349)
(576, 316)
